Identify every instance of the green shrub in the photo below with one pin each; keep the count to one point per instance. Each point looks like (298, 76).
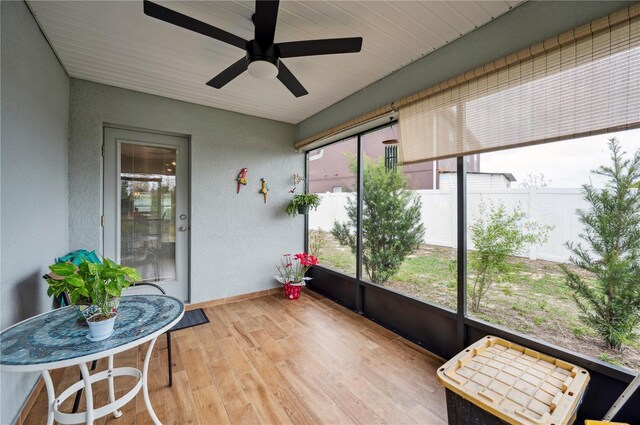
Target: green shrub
(318, 240)
(497, 236)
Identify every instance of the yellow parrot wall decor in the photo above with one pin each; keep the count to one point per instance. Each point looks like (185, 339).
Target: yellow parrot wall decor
(264, 189)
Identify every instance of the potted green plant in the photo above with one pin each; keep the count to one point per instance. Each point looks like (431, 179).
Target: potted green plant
(63, 278)
(300, 204)
(97, 283)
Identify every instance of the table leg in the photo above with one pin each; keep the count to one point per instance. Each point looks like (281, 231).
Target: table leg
(145, 383)
(51, 395)
(88, 392)
(112, 396)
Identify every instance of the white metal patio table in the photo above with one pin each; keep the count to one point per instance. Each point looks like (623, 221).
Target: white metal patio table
(54, 340)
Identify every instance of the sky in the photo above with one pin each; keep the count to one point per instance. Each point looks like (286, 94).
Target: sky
(565, 164)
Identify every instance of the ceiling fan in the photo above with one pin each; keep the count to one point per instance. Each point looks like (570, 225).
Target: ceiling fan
(262, 58)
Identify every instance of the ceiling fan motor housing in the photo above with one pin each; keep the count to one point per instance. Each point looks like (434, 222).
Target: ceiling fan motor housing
(263, 55)
(257, 55)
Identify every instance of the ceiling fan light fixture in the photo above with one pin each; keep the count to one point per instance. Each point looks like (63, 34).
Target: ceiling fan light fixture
(263, 55)
(263, 70)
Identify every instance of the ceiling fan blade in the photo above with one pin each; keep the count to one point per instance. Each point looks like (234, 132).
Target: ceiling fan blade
(228, 74)
(160, 12)
(328, 46)
(265, 21)
(290, 81)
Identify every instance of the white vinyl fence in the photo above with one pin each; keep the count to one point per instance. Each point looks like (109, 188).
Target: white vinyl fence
(554, 207)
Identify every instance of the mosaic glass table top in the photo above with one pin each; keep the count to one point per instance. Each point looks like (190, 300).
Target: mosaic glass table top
(56, 336)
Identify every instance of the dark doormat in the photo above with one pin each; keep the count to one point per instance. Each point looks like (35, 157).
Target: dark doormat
(191, 318)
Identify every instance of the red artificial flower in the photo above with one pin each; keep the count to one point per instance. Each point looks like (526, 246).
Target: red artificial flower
(312, 260)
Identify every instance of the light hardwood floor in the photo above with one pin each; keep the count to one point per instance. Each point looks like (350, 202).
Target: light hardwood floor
(269, 360)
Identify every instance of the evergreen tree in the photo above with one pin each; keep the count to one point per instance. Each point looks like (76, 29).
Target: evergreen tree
(392, 225)
(611, 251)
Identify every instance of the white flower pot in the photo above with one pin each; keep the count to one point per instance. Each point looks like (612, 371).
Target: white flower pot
(102, 329)
(84, 311)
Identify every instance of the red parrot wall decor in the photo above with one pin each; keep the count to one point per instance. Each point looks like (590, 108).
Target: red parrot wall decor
(242, 179)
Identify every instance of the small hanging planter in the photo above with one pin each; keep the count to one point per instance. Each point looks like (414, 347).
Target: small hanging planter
(301, 204)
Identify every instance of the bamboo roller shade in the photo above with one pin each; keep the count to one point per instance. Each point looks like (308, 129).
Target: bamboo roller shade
(617, 34)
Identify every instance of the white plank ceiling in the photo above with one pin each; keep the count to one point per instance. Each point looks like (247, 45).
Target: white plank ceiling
(115, 43)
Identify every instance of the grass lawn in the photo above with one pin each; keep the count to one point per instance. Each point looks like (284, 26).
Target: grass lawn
(537, 304)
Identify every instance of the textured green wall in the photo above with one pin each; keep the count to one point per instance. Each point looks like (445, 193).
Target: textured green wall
(35, 115)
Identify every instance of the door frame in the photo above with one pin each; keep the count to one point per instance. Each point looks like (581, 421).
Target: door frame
(188, 173)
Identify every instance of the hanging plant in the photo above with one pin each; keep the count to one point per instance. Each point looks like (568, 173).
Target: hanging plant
(300, 204)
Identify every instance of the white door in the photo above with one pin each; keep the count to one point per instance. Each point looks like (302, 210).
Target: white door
(146, 206)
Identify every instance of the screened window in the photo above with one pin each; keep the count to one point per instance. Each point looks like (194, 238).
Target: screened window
(333, 175)
(403, 217)
(527, 235)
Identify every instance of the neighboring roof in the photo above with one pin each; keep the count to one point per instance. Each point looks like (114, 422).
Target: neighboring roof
(507, 176)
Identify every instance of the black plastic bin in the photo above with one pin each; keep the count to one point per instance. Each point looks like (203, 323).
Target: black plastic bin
(494, 381)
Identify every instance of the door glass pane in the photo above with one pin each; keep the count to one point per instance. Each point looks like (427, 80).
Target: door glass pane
(147, 210)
